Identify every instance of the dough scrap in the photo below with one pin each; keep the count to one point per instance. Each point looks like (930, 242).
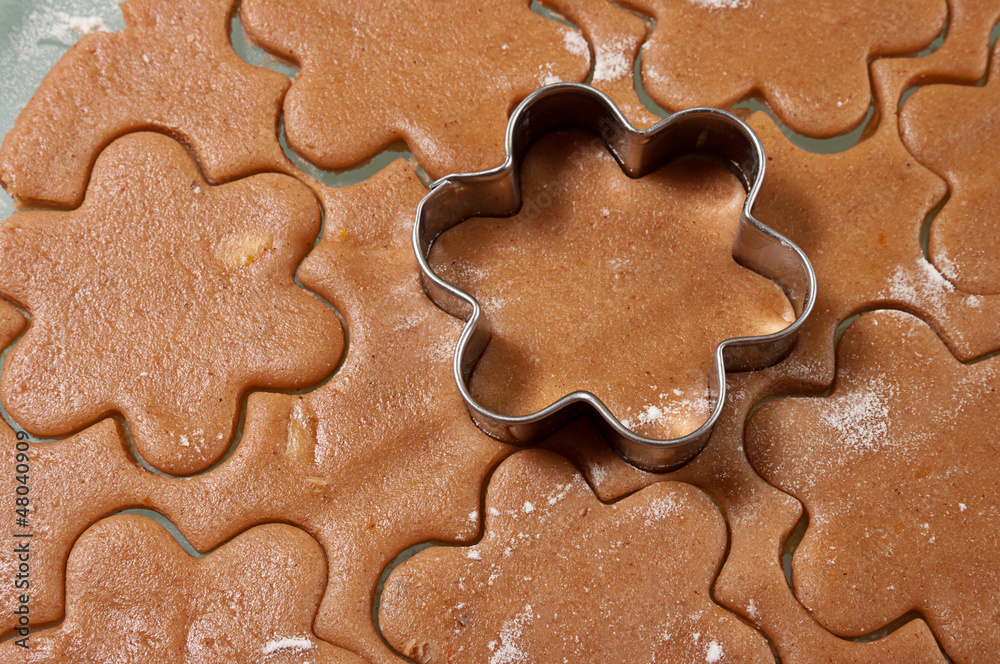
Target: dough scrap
(172, 69)
(603, 283)
(865, 208)
(955, 131)
(164, 299)
(615, 37)
(547, 581)
(897, 470)
(441, 75)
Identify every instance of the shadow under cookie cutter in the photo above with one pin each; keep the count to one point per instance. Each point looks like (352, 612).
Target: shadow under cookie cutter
(706, 132)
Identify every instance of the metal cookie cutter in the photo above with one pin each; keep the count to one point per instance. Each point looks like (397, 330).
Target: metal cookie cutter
(706, 132)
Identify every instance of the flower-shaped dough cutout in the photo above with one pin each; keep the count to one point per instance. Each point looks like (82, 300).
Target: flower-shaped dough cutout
(559, 576)
(440, 75)
(897, 470)
(955, 131)
(133, 591)
(603, 283)
(384, 455)
(164, 299)
(172, 69)
(809, 61)
(379, 458)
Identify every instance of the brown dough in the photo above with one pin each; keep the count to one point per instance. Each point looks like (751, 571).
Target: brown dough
(617, 286)
(897, 469)
(164, 299)
(133, 592)
(381, 457)
(864, 208)
(809, 61)
(172, 69)
(615, 38)
(440, 75)
(61, 507)
(99, 476)
(955, 131)
(809, 197)
(559, 576)
(964, 54)
(12, 323)
(760, 518)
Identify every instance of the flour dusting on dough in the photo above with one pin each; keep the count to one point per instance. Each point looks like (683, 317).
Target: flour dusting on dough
(288, 643)
(575, 43)
(612, 62)
(721, 4)
(509, 651)
(861, 417)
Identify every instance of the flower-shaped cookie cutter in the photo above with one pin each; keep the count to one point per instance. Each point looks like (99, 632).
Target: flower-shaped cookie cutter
(706, 132)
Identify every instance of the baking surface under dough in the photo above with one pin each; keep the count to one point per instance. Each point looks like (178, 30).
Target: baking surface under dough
(897, 470)
(603, 283)
(440, 75)
(172, 69)
(559, 576)
(164, 299)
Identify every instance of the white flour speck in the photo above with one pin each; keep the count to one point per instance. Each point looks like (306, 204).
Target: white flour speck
(292, 643)
(563, 490)
(721, 4)
(528, 508)
(80, 25)
(660, 508)
(714, 652)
